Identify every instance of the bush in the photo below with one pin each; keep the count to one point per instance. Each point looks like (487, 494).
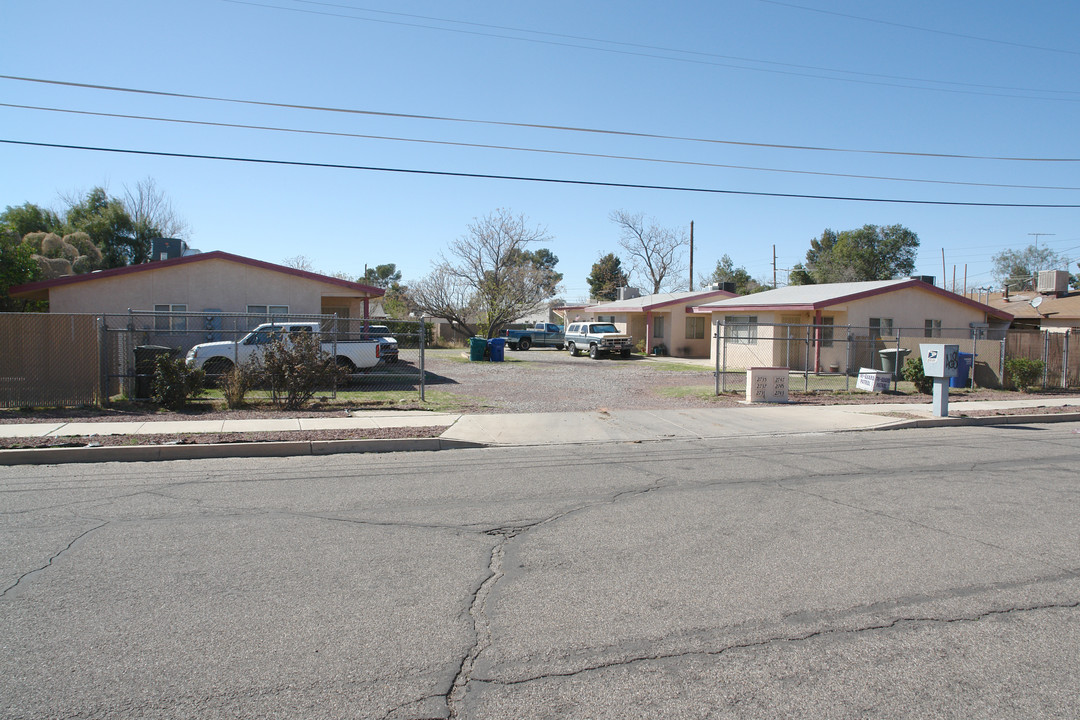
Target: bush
(913, 372)
(237, 381)
(175, 383)
(1023, 373)
(295, 367)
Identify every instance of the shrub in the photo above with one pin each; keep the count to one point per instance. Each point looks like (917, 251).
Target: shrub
(236, 383)
(1023, 373)
(175, 383)
(913, 372)
(295, 367)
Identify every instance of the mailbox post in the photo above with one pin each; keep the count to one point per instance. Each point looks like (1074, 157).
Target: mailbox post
(940, 362)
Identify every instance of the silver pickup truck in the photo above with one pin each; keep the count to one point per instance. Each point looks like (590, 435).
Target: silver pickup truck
(598, 338)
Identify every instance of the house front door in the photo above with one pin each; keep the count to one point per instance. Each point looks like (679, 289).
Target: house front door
(792, 335)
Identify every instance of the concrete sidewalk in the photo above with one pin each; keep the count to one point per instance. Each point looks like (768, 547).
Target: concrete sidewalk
(514, 429)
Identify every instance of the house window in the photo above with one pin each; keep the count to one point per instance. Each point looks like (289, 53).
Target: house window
(741, 329)
(164, 321)
(933, 328)
(695, 328)
(658, 327)
(266, 312)
(605, 318)
(826, 331)
(880, 327)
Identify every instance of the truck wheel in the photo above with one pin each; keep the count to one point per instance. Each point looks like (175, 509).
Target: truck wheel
(594, 352)
(572, 348)
(346, 364)
(524, 344)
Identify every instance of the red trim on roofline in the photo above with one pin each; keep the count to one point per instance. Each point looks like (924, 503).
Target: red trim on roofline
(712, 295)
(918, 284)
(198, 257)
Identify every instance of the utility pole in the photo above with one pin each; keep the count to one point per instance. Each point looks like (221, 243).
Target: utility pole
(774, 266)
(691, 255)
(1037, 236)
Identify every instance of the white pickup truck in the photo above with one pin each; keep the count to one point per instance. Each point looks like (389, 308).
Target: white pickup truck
(220, 357)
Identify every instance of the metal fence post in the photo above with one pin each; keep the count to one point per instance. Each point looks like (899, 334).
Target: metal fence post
(896, 365)
(1065, 363)
(723, 345)
(1001, 360)
(847, 369)
(1045, 357)
(103, 362)
(806, 361)
(333, 390)
(423, 333)
(716, 358)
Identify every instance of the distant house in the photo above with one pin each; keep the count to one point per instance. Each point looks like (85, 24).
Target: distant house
(211, 282)
(1050, 306)
(660, 319)
(874, 310)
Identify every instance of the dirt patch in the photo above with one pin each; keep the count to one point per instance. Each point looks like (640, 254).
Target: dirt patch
(211, 438)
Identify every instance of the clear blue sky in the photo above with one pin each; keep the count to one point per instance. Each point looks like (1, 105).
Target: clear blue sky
(988, 78)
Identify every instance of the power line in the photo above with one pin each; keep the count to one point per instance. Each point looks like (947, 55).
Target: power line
(522, 178)
(922, 29)
(538, 126)
(488, 146)
(699, 54)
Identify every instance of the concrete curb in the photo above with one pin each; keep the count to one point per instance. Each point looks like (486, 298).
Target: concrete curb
(981, 420)
(154, 453)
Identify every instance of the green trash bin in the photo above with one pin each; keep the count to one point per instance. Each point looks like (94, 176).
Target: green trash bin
(145, 360)
(477, 346)
(892, 360)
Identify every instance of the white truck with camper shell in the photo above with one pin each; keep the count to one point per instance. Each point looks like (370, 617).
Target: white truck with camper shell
(217, 358)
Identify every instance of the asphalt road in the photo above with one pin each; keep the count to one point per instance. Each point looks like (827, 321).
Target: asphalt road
(905, 574)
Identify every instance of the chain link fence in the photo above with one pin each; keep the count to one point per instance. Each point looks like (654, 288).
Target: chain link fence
(830, 357)
(52, 359)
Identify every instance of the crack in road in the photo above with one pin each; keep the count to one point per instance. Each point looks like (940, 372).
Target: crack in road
(49, 562)
(925, 526)
(780, 639)
(482, 636)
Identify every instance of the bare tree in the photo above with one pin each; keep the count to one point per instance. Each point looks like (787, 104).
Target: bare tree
(152, 212)
(303, 262)
(656, 253)
(490, 279)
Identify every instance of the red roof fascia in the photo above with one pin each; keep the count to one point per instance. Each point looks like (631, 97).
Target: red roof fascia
(712, 295)
(859, 296)
(198, 257)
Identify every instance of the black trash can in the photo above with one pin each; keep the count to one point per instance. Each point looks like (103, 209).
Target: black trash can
(145, 358)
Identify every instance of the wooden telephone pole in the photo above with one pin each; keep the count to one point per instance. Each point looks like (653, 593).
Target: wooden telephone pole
(691, 255)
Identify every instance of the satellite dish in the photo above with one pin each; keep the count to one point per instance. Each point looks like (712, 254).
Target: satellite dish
(1036, 301)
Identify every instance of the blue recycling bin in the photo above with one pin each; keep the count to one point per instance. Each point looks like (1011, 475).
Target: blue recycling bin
(496, 348)
(963, 368)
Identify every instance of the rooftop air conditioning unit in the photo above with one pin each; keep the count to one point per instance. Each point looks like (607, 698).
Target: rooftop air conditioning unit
(1055, 282)
(629, 293)
(928, 279)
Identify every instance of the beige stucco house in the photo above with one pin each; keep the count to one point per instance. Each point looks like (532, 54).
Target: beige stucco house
(778, 321)
(661, 319)
(211, 282)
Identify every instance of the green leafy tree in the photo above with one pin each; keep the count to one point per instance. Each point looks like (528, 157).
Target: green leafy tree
(726, 272)
(871, 252)
(607, 277)
(382, 276)
(110, 227)
(1017, 268)
(17, 267)
(28, 218)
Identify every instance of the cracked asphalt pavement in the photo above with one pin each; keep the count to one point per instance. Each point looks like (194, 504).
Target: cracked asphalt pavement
(909, 574)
